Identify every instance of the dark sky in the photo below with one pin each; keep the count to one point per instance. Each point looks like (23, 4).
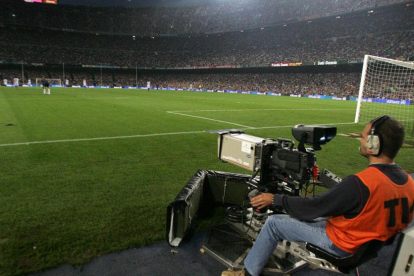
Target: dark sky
(131, 3)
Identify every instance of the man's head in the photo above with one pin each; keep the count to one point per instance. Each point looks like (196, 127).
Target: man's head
(382, 136)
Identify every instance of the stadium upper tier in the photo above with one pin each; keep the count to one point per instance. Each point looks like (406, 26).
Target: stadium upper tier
(386, 32)
(217, 17)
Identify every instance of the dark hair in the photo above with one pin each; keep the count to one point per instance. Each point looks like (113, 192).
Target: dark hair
(392, 135)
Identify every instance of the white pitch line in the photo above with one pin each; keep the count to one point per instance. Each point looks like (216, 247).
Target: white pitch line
(99, 138)
(138, 136)
(209, 119)
(255, 109)
(330, 124)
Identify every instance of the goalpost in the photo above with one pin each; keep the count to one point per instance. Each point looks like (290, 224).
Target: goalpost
(387, 88)
(51, 81)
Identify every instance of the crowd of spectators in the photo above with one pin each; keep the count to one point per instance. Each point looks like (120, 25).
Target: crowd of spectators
(385, 32)
(295, 31)
(213, 17)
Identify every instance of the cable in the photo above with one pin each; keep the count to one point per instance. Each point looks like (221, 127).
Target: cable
(224, 192)
(315, 174)
(312, 191)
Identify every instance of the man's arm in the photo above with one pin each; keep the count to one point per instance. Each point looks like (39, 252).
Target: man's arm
(347, 198)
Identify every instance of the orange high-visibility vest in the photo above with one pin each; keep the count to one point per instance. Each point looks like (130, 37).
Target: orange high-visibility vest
(388, 210)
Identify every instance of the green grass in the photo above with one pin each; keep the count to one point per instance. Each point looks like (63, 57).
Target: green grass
(86, 172)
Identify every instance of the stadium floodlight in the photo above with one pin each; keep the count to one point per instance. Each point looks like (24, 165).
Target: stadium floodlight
(387, 87)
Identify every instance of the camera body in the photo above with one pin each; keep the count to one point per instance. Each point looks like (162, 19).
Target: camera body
(281, 167)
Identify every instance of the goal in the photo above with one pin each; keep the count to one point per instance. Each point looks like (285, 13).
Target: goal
(51, 81)
(386, 88)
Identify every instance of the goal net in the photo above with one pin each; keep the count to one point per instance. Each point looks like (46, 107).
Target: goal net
(51, 81)
(386, 88)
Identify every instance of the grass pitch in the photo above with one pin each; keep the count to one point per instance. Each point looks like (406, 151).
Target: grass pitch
(85, 172)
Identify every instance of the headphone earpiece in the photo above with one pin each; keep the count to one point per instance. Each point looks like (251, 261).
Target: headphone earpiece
(373, 143)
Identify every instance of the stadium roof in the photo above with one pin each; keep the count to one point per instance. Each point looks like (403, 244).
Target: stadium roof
(131, 3)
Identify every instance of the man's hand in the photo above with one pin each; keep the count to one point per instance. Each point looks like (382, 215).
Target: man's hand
(263, 200)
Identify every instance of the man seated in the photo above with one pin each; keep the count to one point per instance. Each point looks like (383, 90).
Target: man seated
(376, 203)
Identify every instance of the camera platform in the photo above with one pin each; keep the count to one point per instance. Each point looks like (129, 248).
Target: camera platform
(231, 242)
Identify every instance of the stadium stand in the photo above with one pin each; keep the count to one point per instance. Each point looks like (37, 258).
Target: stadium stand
(216, 17)
(202, 37)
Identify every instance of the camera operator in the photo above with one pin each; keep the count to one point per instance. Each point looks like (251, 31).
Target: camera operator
(376, 203)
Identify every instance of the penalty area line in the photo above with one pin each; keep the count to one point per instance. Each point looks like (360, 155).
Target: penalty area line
(209, 119)
(99, 138)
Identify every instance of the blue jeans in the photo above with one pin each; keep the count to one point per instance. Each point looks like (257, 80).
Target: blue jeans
(283, 227)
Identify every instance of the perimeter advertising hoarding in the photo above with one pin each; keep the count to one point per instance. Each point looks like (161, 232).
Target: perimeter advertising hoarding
(284, 64)
(387, 101)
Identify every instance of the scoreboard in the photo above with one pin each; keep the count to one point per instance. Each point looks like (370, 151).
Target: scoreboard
(43, 1)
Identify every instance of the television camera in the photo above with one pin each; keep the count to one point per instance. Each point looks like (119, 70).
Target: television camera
(282, 168)
(277, 166)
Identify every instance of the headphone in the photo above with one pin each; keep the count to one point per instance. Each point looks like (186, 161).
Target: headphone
(373, 144)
